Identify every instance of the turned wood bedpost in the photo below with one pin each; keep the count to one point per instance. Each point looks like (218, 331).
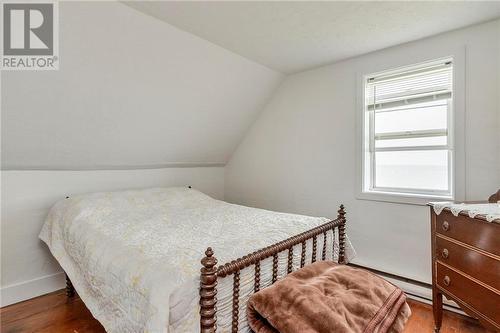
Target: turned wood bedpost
(208, 293)
(341, 216)
(70, 289)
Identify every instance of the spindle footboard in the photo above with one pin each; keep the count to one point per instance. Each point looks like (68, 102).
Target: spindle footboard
(210, 273)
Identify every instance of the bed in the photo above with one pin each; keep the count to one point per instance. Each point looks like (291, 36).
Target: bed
(134, 256)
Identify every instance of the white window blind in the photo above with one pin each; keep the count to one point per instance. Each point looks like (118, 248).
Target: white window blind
(407, 130)
(426, 84)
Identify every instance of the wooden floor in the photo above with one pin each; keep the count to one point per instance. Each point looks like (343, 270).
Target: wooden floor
(54, 313)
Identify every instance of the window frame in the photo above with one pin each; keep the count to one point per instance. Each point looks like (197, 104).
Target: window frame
(456, 134)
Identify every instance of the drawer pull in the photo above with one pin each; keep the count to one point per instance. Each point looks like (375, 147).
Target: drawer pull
(446, 226)
(447, 280)
(445, 254)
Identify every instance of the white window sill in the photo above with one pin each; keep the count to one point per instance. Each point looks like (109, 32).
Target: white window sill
(402, 198)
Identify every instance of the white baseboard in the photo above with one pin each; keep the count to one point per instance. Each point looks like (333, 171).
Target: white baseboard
(18, 292)
(423, 294)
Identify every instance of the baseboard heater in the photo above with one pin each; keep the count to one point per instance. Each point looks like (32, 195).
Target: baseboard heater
(417, 290)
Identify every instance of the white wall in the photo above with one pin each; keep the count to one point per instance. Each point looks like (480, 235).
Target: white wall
(27, 267)
(132, 92)
(300, 155)
(130, 88)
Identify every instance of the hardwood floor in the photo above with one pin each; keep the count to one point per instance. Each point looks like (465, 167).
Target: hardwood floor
(52, 313)
(55, 313)
(421, 321)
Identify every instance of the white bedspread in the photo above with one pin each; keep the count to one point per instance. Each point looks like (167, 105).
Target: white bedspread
(134, 256)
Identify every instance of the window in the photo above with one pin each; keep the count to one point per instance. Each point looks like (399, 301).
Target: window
(407, 128)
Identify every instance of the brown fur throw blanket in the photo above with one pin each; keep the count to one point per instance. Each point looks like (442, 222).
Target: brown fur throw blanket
(327, 297)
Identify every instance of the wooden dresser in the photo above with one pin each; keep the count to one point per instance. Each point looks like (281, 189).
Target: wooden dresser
(466, 266)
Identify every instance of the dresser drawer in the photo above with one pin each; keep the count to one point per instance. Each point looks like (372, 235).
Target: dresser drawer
(475, 295)
(480, 234)
(478, 265)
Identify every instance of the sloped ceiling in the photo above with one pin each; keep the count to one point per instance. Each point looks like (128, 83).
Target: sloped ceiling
(293, 36)
(132, 91)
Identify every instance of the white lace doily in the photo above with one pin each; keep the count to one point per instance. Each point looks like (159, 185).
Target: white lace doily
(491, 211)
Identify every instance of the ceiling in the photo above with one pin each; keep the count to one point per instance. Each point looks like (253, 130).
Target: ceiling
(294, 36)
(123, 101)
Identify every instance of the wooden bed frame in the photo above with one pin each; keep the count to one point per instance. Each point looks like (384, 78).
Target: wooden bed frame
(210, 273)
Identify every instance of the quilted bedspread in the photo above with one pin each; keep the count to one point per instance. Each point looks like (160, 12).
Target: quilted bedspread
(134, 256)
